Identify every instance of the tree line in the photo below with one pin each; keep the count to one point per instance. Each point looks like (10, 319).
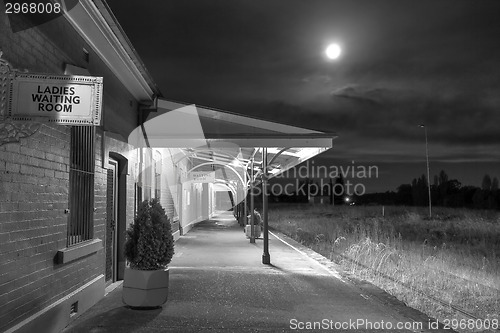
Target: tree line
(444, 192)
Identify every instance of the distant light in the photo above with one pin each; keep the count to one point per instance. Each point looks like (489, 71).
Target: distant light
(333, 51)
(347, 199)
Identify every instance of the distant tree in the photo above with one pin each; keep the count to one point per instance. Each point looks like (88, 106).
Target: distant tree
(442, 188)
(443, 177)
(404, 195)
(492, 202)
(339, 180)
(326, 190)
(486, 184)
(414, 191)
(479, 199)
(419, 191)
(453, 197)
(314, 188)
(444, 191)
(495, 192)
(436, 181)
(494, 184)
(331, 194)
(468, 193)
(339, 190)
(302, 190)
(454, 186)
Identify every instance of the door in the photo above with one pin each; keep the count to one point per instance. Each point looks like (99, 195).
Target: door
(111, 219)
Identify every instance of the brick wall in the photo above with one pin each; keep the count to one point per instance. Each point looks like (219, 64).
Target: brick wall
(34, 179)
(32, 50)
(34, 187)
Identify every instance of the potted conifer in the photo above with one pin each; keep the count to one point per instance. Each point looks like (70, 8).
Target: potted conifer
(148, 249)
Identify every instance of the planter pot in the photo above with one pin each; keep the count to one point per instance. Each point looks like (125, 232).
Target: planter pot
(145, 288)
(256, 231)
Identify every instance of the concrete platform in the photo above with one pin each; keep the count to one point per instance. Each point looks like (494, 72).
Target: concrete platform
(219, 284)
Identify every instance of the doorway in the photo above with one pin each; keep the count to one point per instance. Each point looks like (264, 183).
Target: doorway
(111, 271)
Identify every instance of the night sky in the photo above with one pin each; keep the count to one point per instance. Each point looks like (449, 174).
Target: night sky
(403, 63)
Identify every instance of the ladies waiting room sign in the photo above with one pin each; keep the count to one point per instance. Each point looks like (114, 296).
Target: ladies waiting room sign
(67, 100)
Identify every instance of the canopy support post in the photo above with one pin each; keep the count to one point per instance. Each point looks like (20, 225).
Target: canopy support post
(266, 258)
(245, 197)
(252, 204)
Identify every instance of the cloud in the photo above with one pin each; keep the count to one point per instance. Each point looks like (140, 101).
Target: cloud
(352, 92)
(318, 79)
(383, 97)
(381, 121)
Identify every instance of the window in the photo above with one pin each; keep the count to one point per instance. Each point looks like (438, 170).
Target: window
(81, 185)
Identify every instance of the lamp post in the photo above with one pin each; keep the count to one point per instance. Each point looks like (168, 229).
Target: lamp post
(428, 170)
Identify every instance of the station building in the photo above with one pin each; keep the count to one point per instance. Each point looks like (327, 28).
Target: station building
(69, 191)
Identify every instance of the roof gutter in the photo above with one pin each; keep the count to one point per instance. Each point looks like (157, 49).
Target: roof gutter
(97, 25)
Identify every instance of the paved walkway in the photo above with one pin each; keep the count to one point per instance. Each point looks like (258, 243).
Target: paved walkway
(219, 284)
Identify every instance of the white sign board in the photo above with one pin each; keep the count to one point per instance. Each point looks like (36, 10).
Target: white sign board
(61, 99)
(202, 176)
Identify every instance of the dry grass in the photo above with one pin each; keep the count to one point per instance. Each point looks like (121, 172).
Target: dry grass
(455, 256)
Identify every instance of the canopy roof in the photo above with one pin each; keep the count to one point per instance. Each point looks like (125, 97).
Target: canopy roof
(209, 136)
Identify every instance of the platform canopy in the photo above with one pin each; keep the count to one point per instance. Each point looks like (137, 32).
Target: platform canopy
(210, 136)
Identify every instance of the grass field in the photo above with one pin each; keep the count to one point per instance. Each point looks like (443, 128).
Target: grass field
(455, 256)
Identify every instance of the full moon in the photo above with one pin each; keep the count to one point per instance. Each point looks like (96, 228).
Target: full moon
(333, 51)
